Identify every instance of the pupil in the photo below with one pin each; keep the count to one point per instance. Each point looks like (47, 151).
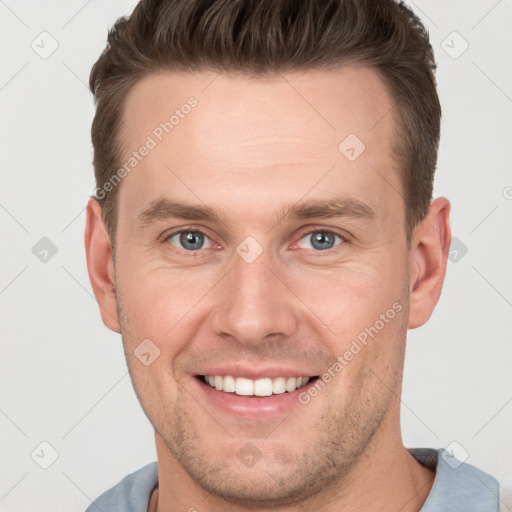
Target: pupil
(322, 240)
(191, 240)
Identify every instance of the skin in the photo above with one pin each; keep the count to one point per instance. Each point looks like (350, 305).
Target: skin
(249, 150)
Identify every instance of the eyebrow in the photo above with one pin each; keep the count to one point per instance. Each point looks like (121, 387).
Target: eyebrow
(335, 207)
(164, 208)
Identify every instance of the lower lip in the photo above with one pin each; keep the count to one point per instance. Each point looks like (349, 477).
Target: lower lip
(252, 406)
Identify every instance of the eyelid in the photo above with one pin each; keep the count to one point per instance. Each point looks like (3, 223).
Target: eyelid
(187, 229)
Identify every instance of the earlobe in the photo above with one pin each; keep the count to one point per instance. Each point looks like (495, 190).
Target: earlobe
(428, 260)
(100, 265)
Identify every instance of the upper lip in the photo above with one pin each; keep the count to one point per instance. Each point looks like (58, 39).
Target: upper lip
(255, 372)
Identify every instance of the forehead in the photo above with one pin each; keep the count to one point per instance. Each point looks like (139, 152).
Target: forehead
(223, 137)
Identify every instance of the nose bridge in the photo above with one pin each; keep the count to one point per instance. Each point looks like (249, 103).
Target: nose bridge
(253, 302)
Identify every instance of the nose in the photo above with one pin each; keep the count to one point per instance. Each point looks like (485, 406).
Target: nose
(254, 303)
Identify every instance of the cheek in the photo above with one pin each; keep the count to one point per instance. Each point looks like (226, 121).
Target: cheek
(159, 300)
(352, 297)
(156, 312)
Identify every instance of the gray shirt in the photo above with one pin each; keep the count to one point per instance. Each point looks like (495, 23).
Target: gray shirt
(458, 487)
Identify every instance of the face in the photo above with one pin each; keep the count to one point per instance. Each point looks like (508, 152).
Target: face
(257, 244)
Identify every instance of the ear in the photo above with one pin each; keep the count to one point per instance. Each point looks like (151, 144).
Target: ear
(100, 265)
(428, 258)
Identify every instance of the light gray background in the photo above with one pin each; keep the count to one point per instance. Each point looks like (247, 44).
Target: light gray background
(63, 376)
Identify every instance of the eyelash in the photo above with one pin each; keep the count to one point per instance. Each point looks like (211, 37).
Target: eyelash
(343, 237)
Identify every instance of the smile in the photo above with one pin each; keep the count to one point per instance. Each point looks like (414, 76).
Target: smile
(244, 386)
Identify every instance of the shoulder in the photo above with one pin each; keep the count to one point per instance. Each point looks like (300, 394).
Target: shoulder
(458, 486)
(131, 494)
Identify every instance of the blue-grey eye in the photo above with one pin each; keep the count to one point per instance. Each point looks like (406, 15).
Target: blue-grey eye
(190, 240)
(319, 240)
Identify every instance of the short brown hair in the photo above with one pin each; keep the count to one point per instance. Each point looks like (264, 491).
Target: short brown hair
(269, 37)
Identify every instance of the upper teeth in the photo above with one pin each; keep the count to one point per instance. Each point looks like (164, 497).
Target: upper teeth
(259, 387)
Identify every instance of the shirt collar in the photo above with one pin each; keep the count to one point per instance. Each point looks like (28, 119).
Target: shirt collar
(458, 486)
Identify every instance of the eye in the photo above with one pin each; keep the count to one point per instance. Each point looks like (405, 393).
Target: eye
(319, 240)
(190, 240)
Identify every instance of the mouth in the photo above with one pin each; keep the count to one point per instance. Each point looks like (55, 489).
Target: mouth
(264, 387)
(247, 398)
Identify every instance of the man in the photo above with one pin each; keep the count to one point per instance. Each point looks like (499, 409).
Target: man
(262, 235)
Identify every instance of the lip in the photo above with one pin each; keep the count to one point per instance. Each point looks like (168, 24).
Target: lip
(251, 406)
